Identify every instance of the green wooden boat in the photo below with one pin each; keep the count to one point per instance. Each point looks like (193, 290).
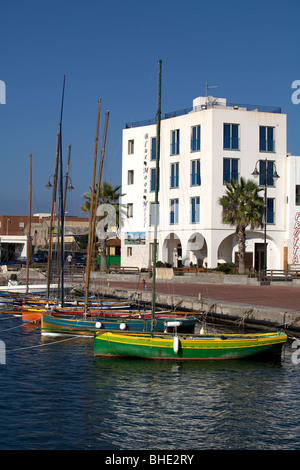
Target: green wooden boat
(188, 347)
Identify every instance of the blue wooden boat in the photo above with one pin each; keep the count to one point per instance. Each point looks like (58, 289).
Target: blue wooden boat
(91, 324)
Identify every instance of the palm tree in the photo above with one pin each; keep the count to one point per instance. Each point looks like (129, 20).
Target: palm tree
(107, 195)
(242, 206)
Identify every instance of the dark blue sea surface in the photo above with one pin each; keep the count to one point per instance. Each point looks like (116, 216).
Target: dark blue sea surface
(56, 396)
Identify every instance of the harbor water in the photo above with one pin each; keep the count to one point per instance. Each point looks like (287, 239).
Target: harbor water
(55, 395)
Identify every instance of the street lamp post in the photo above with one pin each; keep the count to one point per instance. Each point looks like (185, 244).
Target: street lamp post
(275, 176)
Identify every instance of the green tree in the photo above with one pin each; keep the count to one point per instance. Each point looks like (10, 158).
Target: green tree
(242, 207)
(107, 195)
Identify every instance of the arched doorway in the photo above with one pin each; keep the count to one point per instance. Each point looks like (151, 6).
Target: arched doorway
(172, 250)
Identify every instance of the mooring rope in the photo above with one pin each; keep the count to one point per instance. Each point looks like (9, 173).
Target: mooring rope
(42, 345)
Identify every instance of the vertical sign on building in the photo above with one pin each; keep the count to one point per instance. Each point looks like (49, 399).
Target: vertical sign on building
(296, 233)
(145, 176)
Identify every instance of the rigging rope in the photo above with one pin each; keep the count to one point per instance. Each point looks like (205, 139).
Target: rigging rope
(42, 345)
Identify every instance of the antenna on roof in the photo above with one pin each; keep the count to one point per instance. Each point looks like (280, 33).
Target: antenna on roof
(209, 86)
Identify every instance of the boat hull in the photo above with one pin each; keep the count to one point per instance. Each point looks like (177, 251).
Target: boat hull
(193, 348)
(79, 325)
(31, 316)
(32, 288)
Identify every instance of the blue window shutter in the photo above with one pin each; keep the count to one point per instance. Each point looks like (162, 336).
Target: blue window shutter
(193, 173)
(270, 171)
(270, 141)
(153, 178)
(173, 143)
(153, 150)
(198, 138)
(226, 170)
(235, 137)
(262, 169)
(198, 173)
(226, 136)
(172, 175)
(262, 139)
(193, 146)
(270, 211)
(235, 170)
(152, 181)
(193, 211)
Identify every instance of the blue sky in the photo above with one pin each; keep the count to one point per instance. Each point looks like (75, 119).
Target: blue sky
(109, 50)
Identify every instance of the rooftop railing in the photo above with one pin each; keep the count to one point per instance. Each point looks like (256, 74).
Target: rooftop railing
(182, 112)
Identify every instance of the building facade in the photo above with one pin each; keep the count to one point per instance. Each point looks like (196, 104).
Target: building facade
(202, 148)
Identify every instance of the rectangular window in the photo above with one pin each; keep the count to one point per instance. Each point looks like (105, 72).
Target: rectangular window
(195, 173)
(297, 201)
(130, 147)
(174, 211)
(129, 210)
(129, 251)
(263, 175)
(130, 179)
(153, 179)
(231, 137)
(195, 210)
(266, 139)
(175, 142)
(270, 211)
(174, 179)
(230, 169)
(152, 214)
(153, 148)
(195, 138)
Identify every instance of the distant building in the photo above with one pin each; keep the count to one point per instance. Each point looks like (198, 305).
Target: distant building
(202, 148)
(14, 230)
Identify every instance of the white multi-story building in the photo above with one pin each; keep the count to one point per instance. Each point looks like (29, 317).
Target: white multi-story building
(202, 148)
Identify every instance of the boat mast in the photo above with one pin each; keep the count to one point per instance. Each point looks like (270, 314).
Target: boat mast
(29, 224)
(61, 203)
(51, 220)
(89, 250)
(67, 179)
(99, 181)
(158, 120)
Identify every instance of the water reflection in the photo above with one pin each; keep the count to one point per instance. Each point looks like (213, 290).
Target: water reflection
(153, 405)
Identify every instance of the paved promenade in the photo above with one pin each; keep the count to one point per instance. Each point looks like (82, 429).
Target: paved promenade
(281, 297)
